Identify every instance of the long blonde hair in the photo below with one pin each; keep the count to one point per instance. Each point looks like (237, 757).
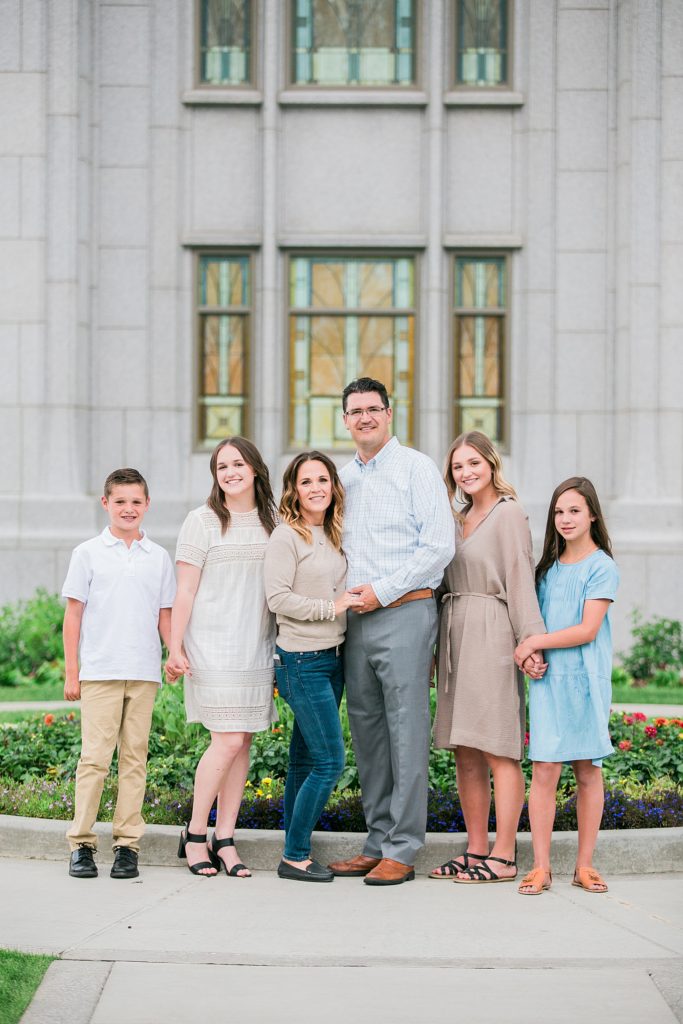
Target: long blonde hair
(485, 447)
(290, 512)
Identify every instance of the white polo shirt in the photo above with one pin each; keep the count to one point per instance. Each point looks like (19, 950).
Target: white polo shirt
(123, 589)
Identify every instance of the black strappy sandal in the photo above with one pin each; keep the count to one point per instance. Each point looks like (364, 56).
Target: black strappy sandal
(482, 873)
(194, 837)
(450, 869)
(218, 844)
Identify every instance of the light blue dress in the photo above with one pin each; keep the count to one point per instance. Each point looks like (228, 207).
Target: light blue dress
(569, 708)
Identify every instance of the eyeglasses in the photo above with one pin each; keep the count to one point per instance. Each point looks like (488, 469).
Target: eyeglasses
(373, 410)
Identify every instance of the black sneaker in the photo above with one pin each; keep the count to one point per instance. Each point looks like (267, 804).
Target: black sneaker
(82, 863)
(125, 863)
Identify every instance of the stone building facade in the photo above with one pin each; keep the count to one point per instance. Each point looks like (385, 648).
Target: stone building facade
(212, 212)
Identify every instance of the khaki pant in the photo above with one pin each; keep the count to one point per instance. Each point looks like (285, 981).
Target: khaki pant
(114, 713)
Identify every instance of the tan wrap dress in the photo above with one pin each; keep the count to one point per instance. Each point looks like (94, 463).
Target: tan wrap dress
(488, 605)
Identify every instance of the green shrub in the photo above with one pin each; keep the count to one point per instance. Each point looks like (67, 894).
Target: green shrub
(620, 677)
(31, 639)
(658, 645)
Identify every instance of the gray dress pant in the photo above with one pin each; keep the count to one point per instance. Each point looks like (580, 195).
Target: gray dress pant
(387, 657)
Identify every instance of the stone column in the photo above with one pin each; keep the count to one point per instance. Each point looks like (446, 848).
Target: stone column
(433, 392)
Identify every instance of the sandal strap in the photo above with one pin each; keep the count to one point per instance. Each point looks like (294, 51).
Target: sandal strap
(236, 868)
(194, 837)
(477, 872)
(197, 868)
(218, 844)
(501, 860)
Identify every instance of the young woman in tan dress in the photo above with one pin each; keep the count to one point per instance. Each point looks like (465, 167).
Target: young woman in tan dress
(487, 606)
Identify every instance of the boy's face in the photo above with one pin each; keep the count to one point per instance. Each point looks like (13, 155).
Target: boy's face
(126, 506)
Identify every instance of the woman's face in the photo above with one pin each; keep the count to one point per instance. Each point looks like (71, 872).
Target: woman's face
(314, 490)
(234, 474)
(471, 472)
(573, 517)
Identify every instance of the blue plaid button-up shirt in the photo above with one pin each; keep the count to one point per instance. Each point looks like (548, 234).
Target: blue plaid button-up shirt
(399, 533)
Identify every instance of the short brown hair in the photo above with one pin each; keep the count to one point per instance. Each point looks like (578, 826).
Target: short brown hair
(125, 476)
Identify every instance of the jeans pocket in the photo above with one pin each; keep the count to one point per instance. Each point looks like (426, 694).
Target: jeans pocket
(282, 681)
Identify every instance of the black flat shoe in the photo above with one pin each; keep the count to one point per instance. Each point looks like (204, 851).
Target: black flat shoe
(194, 837)
(125, 863)
(82, 863)
(315, 872)
(218, 844)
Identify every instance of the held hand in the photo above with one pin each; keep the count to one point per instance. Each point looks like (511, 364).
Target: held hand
(525, 650)
(72, 689)
(368, 599)
(176, 666)
(534, 666)
(171, 676)
(348, 599)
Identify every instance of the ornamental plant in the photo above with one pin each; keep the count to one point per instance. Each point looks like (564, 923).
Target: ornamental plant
(656, 655)
(31, 640)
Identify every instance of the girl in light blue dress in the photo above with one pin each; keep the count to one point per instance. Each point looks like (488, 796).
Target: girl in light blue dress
(569, 707)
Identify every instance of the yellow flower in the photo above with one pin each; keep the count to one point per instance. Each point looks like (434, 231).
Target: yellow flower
(247, 784)
(266, 782)
(680, 735)
(259, 792)
(269, 796)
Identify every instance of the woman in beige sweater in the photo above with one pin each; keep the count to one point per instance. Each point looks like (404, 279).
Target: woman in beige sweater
(488, 606)
(305, 579)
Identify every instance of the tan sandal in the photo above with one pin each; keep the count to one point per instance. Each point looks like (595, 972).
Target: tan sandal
(535, 882)
(588, 878)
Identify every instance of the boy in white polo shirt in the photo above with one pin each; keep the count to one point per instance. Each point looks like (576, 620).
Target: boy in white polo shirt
(119, 590)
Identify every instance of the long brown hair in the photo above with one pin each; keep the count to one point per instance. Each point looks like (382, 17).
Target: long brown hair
(289, 502)
(554, 543)
(484, 445)
(265, 503)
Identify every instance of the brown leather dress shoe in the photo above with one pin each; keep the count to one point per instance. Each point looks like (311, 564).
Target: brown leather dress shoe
(354, 868)
(390, 872)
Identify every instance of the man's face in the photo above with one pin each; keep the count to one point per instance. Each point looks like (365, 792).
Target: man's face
(367, 420)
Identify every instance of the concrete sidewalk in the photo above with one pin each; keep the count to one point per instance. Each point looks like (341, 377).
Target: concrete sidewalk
(169, 947)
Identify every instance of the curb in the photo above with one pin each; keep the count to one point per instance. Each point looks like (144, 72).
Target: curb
(619, 851)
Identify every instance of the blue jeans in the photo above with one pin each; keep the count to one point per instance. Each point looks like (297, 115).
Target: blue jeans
(312, 683)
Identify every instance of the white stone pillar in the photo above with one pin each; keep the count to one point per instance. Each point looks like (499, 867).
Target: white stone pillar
(270, 357)
(432, 393)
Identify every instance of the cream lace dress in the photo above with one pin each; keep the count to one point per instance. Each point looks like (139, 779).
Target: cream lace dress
(230, 638)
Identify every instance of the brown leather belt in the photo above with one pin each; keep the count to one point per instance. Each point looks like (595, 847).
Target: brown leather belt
(412, 595)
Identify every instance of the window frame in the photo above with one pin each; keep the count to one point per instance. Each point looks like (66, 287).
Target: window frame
(453, 36)
(502, 443)
(202, 444)
(359, 255)
(393, 87)
(249, 84)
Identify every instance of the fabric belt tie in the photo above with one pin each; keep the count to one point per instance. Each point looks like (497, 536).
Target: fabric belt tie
(412, 595)
(449, 597)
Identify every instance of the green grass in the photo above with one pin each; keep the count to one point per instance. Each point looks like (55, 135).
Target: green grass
(647, 695)
(32, 691)
(20, 976)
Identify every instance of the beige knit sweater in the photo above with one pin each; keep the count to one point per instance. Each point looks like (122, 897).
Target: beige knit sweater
(302, 583)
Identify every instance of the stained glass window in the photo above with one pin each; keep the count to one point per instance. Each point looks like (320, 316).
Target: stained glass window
(224, 308)
(481, 28)
(479, 344)
(225, 42)
(347, 42)
(349, 317)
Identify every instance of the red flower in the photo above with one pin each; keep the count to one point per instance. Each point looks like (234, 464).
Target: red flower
(71, 716)
(49, 719)
(625, 745)
(651, 731)
(628, 720)
(661, 721)
(526, 739)
(638, 716)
